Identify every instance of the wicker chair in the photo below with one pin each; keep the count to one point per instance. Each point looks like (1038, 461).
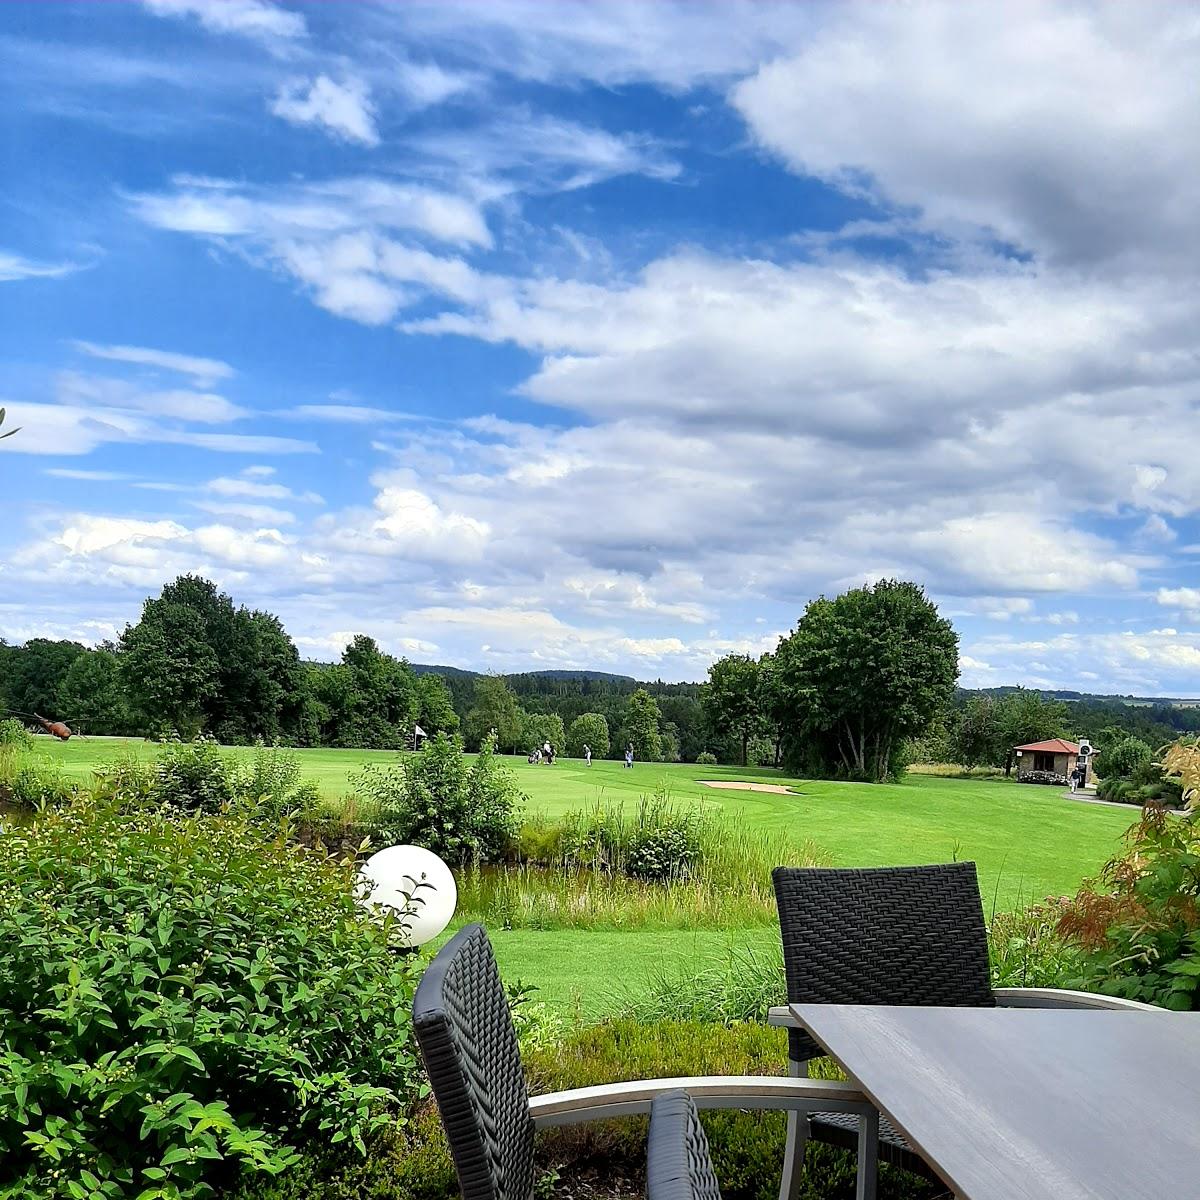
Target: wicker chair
(890, 935)
(678, 1164)
(466, 1035)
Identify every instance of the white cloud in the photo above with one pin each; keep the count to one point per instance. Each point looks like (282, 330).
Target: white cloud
(550, 153)
(346, 414)
(204, 372)
(673, 43)
(16, 266)
(72, 429)
(1182, 599)
(249, 486)
(1030, 120)
(218, 208)
(344, 109)
(426, 83)
(86, 476)
(256, 19)
(254, 514)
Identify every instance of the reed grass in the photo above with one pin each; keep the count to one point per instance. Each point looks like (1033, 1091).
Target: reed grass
(580, 872)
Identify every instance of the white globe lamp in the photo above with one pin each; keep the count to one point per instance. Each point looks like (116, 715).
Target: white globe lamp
(415, 884)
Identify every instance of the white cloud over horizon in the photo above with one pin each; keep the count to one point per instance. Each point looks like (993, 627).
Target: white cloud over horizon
(643, 398)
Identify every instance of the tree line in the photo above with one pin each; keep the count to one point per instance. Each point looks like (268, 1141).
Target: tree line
(865, 681)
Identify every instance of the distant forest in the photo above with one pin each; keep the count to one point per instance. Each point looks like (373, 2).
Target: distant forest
(195, 662)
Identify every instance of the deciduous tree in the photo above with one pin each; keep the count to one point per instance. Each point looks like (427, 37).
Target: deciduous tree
(861, 673)
(588, 729)
(641, 726)
(732, 699)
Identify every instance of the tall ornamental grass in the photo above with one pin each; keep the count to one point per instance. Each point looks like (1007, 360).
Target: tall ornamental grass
(650, 866)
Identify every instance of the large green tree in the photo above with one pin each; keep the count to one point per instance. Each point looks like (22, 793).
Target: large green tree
(494, 708)
(35, 671)
(196, 661)
(732, 699)
(1026, 716)
(435, 706)
(976, 736)
(861, 673)
(169, 669)
(641, 726)
(92, 695)
(588, 729)
(539, 728)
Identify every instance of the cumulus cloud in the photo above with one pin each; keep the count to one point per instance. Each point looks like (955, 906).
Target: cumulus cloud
(344, 109)
(1031, 121)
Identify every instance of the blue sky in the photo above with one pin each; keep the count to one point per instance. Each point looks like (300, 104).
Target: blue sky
(558, 335)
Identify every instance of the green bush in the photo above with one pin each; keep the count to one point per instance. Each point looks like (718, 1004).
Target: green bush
(1138, 927)
(605, 1158)
(270, 783)
(182, 995)
(32, 782)
(192, 776)
(13, 734)
(664, 844)
(706, 758)
(1121, 758)
(463, 811)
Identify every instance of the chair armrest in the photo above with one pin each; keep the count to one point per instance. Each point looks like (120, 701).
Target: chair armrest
(1065, 998)
(708, 1091)
(781, 1016)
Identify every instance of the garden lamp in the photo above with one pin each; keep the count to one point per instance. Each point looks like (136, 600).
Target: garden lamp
(416, 885)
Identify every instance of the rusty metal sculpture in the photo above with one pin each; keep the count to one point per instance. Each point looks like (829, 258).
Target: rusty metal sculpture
(58, 729)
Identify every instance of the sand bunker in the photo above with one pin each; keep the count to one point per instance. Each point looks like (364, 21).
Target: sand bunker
(736, 785)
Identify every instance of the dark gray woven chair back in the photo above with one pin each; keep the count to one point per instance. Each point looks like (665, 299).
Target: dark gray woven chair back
(466, 1035)
(887, 935)
(678, 1164)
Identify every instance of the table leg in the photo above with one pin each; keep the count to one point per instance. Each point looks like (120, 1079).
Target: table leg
(868, 1156)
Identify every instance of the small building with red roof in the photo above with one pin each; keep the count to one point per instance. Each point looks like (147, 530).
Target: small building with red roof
(1055, 758)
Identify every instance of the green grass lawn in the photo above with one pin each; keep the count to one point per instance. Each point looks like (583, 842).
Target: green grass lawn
(1029, 842)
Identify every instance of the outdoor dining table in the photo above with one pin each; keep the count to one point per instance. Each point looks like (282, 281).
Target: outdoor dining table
(1031, 1104)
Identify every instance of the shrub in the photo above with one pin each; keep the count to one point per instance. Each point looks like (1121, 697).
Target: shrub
(192, 776)
(1139, 926)
(664, 844)
(1049, 777)
(463, 811)
(706, 758)
(576, 873)
(270, 783)
(181, 995)
(1121, 758)
(13, 734)
(31, 782)
(605, 1158)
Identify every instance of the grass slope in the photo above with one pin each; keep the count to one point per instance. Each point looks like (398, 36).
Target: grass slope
(1029, 842)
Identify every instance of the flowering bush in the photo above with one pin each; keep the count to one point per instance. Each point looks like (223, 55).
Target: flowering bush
(183, 996)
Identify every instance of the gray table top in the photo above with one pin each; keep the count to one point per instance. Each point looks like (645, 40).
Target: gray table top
(1031, 1104)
